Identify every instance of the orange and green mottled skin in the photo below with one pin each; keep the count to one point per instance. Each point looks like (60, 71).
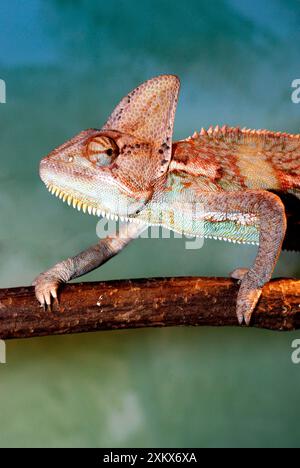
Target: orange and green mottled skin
(217, 184)
(232, 159)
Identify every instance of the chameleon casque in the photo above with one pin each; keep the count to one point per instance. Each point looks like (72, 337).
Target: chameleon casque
(131, 170)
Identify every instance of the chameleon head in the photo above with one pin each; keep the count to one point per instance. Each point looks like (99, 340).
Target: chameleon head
(114, 171)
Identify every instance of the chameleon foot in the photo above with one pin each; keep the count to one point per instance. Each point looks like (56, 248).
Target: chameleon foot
(46, 287)
(46, 284)
(248, 296)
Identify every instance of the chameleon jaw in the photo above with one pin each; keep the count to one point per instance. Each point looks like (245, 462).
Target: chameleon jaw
(94, 210)
(84, 206)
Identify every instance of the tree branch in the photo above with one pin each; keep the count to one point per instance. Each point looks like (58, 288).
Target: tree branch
(145, 303)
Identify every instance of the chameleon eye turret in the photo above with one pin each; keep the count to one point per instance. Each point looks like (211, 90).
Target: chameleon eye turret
(102, 151)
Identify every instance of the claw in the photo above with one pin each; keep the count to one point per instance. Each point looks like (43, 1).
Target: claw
(53, 293)
(40, 298)
(47, 298)
(240, 318)
(43, 306)
(248, 319)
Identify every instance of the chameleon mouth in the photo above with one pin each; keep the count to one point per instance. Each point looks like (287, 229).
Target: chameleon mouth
(84, 206)
(94, 210)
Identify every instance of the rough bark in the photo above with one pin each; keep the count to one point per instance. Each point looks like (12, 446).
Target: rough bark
(140, 303)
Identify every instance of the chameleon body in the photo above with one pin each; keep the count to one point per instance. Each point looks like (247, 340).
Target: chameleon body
(218, 183)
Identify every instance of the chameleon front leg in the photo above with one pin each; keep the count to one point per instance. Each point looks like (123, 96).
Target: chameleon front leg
(272, 227)
(47, 283)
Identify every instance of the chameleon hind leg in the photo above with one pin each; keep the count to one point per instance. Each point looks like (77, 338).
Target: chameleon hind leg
(272, 228)
(47, 283)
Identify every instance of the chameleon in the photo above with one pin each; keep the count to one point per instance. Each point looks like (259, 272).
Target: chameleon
(221, 183)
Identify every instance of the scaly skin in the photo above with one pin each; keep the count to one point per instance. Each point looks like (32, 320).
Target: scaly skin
(215, 184)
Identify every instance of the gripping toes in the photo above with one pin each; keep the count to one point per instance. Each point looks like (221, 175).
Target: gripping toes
(46, 287)
(248, 296)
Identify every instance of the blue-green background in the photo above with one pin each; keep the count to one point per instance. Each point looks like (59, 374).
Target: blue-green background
(66, 64)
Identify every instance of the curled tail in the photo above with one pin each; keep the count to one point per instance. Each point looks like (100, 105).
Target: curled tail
(291, 202)
(295, 191)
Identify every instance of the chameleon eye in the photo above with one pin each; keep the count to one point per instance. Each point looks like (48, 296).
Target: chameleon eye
(102, 151)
